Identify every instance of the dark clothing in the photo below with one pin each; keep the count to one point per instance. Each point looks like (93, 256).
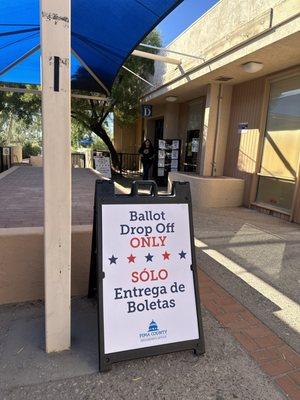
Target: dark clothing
(147, 153)
(147, 160)
(146, 169)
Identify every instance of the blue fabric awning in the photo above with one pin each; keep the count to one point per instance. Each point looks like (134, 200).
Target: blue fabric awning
(104, 34)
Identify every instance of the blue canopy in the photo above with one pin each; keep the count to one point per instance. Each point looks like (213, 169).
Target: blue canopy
(104, 34)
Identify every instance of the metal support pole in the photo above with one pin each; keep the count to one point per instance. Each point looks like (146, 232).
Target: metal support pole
(156, 57)
(56, 107)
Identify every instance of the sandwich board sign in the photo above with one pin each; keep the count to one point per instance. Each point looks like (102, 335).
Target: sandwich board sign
(143, 270)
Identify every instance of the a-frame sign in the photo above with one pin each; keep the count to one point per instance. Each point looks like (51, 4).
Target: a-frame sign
(143, 271)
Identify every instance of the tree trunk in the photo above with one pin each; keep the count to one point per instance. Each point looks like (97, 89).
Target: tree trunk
(102, 134)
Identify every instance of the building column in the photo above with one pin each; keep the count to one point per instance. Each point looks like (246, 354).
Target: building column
(55, 45)
(215, 129)
(171, 118)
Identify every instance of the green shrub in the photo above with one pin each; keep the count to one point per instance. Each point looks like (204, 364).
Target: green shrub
(31, 149)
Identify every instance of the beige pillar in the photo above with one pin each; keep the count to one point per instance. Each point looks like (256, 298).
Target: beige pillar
(55, 43)
(215, 130)
(16, 154)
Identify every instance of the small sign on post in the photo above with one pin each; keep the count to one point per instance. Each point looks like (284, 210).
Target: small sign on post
(143, 270)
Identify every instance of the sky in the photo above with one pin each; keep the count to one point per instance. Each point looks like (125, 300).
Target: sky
(182, 17)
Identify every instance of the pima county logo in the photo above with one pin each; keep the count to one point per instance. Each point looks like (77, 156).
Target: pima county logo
(153, 333)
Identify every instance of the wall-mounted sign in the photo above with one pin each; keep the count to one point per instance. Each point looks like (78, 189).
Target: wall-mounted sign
(146, 110)
(146, 268)
(243, 127)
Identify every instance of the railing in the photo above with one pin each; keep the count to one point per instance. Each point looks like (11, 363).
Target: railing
(129, 162)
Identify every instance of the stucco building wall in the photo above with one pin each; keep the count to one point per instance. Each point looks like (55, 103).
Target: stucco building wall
(224, 26)
(242, 148)
(231, 34)
(22, 263)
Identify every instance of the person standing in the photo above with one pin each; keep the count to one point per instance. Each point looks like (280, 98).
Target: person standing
(147, 153)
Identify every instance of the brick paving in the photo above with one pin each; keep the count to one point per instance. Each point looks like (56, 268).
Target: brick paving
(274, 356)
(21, 197)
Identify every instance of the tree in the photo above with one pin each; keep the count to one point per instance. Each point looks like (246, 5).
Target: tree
(125, 99)
(91, 115)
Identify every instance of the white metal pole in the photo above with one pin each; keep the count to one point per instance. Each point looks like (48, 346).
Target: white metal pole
(149, 46)
(138, 76)
(156, 57)
(55, 45)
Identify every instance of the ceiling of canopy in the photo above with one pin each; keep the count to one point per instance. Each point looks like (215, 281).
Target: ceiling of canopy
(103, 34)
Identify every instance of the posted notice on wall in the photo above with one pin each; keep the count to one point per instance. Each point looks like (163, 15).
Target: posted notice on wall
(148, 286)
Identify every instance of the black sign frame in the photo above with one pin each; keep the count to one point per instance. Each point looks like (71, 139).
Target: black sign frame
(105, 195)
(147, 110)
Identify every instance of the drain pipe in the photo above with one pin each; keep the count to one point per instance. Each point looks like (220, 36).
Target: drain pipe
(214, 163)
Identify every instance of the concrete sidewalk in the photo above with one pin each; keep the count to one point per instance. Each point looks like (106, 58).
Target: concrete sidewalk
(256, 258)
(27, 372)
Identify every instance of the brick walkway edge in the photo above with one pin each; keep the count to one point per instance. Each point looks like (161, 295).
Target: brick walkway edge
(274, 356)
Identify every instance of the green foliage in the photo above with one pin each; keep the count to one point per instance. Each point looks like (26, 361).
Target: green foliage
(99, 145)
(78, 132)
(25, 107)
(128, 89)
(125, 95)
(18, 131)
(31, 149)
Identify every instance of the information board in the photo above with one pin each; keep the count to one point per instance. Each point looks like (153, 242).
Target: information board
(103, 165)
(145, 273)
(168, 157)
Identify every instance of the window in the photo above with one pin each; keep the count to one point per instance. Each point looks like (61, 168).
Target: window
(280, 158)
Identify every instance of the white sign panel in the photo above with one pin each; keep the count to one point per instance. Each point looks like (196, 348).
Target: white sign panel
(5, 151)
(102, 165)
(148, 289)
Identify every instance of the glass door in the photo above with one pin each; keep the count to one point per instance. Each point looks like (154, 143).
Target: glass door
(193, 144)
(281, 149)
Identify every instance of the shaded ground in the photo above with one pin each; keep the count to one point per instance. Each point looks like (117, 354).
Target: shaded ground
(224, 372)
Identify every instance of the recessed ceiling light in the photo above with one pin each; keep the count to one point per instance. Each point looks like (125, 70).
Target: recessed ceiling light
(171, 99)
(252, 66)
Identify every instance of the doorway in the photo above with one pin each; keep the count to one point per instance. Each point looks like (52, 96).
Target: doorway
(158, 135)
(158, 130)
(193, 142)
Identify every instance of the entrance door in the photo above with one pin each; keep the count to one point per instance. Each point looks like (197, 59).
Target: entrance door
(192, 150)
(280, 158)
(158, 130)
(193, 144)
